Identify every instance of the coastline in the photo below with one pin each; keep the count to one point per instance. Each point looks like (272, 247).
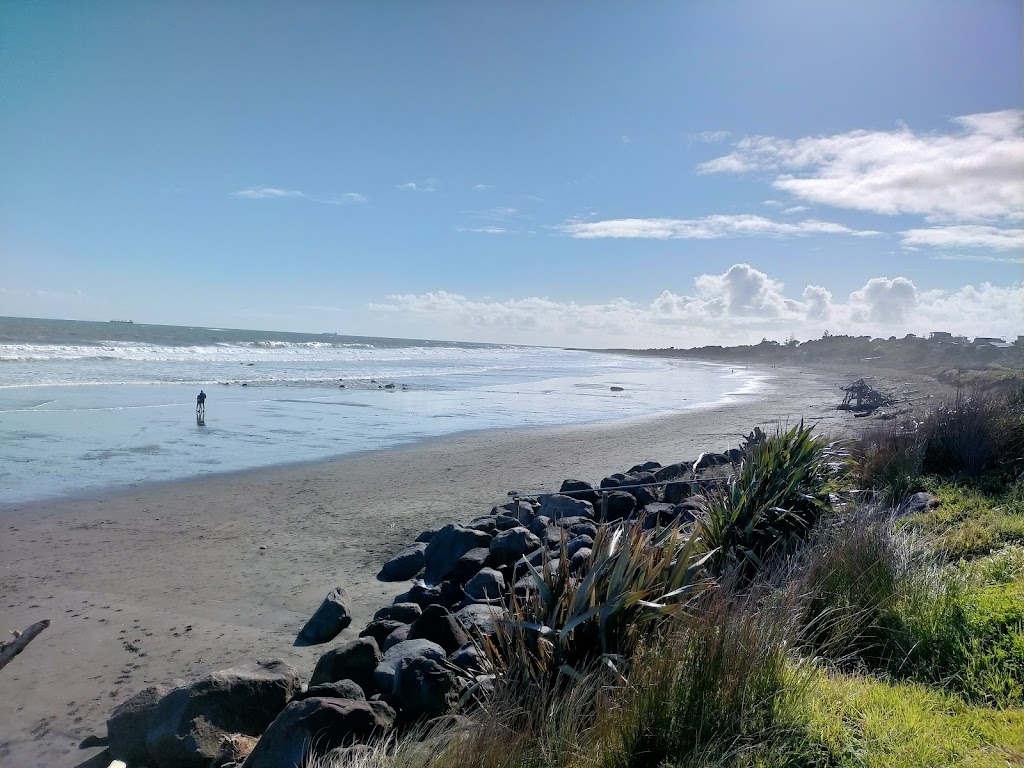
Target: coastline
(154, 583)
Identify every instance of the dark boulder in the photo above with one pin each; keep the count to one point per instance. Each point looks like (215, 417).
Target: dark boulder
(426, 535)
(579, 489)
(559, 505)
(618, 505)
(333, 615)
(470, 564)
(406, 613)
(680, 471)
(487, 584)
(580, 561)
(314, 726)
(129, 722)
(355, 661)
(509, 545)
(189, 723)
(735, 455)
(447, 546)
(538, 524)
(424, 687)
(478, 619)
(677, 491)
(485, 523)
(647, 466)
(658, 515)
(438, 625)
(340, 689)
(504, 522)
(379, 629)
(469, 659)
(577, 543)
(385, 675)
(709, 460)
(405, 565)
(523, 513)
(400, 635)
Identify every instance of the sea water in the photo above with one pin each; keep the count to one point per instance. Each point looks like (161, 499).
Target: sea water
(84, 406)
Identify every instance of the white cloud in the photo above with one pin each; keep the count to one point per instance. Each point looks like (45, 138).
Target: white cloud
(976, 171)
(626, 140)
(979, 258)
(965, 236)
(427, 185)
(481, 187)
(710, 137)
(706, 228)
(796, 209)
(275, 193)
(740, 305)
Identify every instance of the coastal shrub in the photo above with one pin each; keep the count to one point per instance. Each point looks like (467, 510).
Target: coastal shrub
(890, 459)
(781, 490)
(633, 581)
(973, 432)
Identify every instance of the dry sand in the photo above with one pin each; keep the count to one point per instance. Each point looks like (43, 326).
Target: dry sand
(166, 581)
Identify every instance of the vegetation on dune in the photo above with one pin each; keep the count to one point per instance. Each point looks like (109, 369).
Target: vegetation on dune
(791, 624)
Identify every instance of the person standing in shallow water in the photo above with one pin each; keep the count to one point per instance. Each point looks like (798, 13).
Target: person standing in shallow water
(201, 404)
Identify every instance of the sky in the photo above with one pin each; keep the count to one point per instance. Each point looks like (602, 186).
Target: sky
(589, 174)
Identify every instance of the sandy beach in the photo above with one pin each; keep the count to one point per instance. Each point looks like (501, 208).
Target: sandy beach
(156, 583)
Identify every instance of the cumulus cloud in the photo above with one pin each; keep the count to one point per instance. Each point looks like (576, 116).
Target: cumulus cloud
(705, 228)
(275, 193)
(975, 171)
(738, 306)
(965, 236)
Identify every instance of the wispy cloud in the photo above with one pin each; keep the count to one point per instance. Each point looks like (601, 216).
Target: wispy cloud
(979, 257)
(710, 137)
(482, 187)
(427, 185)
(276, 193)
(965, 236)
(706, 228)
(975, 171)
(491, 221)
(626, 140)
(796, 209)
(483, 230)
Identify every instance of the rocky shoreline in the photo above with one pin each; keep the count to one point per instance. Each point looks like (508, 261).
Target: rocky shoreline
(418, 657)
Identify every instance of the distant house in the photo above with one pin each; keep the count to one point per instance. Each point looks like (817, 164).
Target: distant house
(987, 341)
(940, 336)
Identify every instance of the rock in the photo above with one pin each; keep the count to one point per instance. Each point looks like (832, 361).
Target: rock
(616, 389)
(579, 489)
(447, 546)
(523, 515)
(485, 523)
(333, 615)
(234, 748)
(406, 613)
(355, 660)
(379, 629)
(470, 564)
(580, 560)
(189, 723)
(478, 619)
(552, 537)
(129, 722)
(424, 687)
(919, 502)
(558, 505)
(505, 523)
(680, 471)
(658, 515)
(647, 466)
(577, 543)
(406, 564)
(676, 492)
(469, 659)
(687, 511)
(509, 545)
(588, 528)
(340, 689)
(426, 535)
(438, 625)
(489, 583)
(735, 455)
(539, 524)
(618, 505)
(420, 594)
(317, 725)
(708, 460)
(400, 635)
(385, 675)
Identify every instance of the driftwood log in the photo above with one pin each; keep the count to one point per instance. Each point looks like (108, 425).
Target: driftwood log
(12, 648)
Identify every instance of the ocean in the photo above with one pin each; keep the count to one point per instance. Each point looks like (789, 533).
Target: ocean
(86, 405)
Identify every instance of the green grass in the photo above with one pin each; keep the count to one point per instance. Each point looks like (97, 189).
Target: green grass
(866, 723)
(970, 521)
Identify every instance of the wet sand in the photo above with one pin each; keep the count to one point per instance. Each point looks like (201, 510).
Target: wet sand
(162, 582)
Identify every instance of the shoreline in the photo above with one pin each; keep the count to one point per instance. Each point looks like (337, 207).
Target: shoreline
(150, 584)
(760, 378)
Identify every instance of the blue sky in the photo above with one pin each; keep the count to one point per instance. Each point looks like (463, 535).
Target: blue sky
(598, 173)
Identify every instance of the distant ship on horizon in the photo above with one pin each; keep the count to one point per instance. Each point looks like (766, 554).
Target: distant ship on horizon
(125, 322)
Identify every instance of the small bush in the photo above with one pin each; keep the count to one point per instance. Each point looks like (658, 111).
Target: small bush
(890, 459)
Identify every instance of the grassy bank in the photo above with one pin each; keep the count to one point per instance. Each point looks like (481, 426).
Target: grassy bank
(808, 617)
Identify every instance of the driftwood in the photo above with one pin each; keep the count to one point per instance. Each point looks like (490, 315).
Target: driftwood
(863, 399)
(12, 648)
